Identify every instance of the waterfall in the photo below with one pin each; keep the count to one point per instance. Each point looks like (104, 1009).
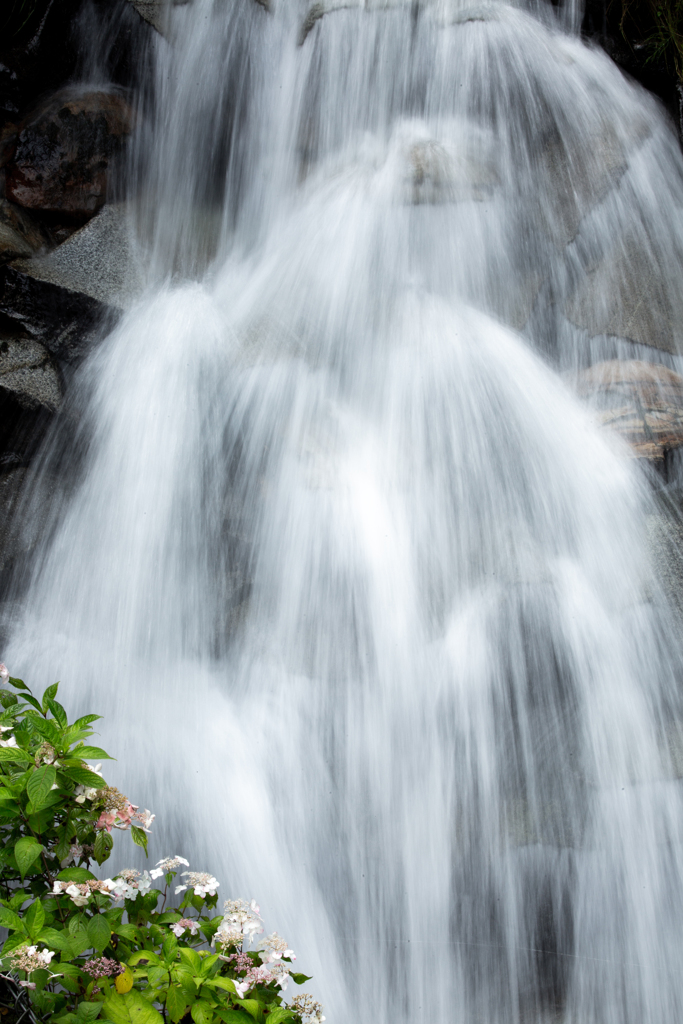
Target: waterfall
(361, 588)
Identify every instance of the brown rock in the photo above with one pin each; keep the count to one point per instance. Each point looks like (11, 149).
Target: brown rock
(642, 402)
(63, 152)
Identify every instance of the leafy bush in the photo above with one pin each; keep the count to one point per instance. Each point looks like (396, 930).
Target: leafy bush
(68, 941)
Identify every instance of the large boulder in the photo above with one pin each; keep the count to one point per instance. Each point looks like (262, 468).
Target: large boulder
(63, 152)
(641, 402)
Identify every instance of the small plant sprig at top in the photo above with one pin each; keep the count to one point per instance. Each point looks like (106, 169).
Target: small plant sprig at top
(69, 944)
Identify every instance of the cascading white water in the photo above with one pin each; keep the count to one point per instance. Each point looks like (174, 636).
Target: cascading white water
(361, 590)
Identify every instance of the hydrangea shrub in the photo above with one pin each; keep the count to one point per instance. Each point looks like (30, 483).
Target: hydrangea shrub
(116, 949)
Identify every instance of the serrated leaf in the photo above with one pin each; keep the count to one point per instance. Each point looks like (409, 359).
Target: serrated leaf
(130, 1008)
(84, 777)
(95, 753)
(103, 846)
(169, 948)
(14, 754)
(34, 918)
(88, 1012)
(202, 1012)
(207, 964)
(55, 940)
(142, 957)
(75, 875)
(224, 983)
(99, 932)
(58, 713)
(230, 1016)
(190, 958)
(50, 694)
(26, 851)
(279, 1014)
(8, 919)
(299, 979)
(253, 1008)
(15, 940)
(47, 729)
(127, 931)
(176, 1003)
(79, 940)
(157, 976)
(40, 783)
(139, 837)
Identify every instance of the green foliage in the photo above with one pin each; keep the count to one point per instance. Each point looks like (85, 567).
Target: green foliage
(82, 955)
(657, 27)
(19, 19)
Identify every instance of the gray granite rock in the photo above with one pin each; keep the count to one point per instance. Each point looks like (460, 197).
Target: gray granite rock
(100, 260)
(27, 371)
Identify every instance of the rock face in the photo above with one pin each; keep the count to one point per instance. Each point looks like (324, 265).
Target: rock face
(642, 402)
(65, 322)
(63, 151)
(99, 260)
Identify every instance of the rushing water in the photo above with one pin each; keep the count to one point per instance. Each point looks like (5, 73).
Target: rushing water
(364, 594)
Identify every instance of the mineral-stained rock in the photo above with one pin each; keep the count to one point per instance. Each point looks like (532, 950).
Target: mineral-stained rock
(65, 322)
(63, 152)
(642, 402)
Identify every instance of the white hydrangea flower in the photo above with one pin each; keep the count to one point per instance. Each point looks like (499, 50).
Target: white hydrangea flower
(168, 864)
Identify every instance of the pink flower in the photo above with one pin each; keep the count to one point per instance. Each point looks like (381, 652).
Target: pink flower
(185, 923)
(106, 820)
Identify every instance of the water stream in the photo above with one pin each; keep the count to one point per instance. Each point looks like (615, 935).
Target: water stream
(362, 590)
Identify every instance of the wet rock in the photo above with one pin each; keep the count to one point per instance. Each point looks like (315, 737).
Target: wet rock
(28, 373)
(154, 12)
(63, 153)
(20, 235)
(436, 175)
(99, 260)
(625, 295)
(641, 402)
(66, 322)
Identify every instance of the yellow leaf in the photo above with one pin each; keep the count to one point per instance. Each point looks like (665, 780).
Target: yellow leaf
(124, 982)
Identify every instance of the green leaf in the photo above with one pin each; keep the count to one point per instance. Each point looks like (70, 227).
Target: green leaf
(190, 958)
(207, 965)
(81, 723)
(75, 875)
(253, 1008)
(33, 702)
(34, 919)
(227, 984)
(88, 1012)
(230, 1016)
(84, 777)
(176, 1003)
(127, 931)
(49, 694)
(40, 783)
(95, 753)
(14, 754)
(26, 851)
(139, 837)
(143, 956)
(170, 948)
(79, 940)
(201, 1011)
(99, 932)
(15, 940)
(58, 713)
(18, 684)
(279, 1014)
(157, 976)
(130, 1008)
(103, 846)
(299, 979)
(8, 919)
(55, 940)
(8, 700)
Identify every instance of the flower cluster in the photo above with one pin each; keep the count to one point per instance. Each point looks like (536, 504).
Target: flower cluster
(103, 967)
(273, 948)
(185, 924)
(279, 974)
(45, 754)
(118, 811)
(307, 1009)
(11, 740)
(203, 883)
(82, 892)
(168, 864)
(30, 958)
(128, 883)
(241, 921)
